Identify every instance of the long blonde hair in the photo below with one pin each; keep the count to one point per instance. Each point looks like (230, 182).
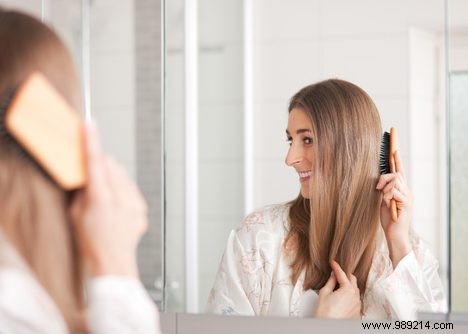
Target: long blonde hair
(340, 220)
(33, 209)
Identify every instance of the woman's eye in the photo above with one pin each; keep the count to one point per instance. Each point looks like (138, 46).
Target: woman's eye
(308, 140)
(289, 140)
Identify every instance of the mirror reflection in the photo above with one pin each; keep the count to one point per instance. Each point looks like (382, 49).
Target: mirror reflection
(250, 59)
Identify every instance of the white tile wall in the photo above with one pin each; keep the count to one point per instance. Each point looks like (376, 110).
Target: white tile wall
(65, 17)
(117, 132)
(274, 182)
(378, 65)
(221, 133)
(459, 50)
(32, 7)
(112, 70)
(425, 121)
(112, 33)
(271, 121)
(378, 18)
(282, 68)
(292, 21)
(426, 210)
(220, 22)
(220, 73)
(112, 80)
(220, 189)
(174, 25)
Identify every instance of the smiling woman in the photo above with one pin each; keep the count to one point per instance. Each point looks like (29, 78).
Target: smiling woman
(287, 259)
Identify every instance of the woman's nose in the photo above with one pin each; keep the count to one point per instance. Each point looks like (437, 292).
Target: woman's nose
(293, 157)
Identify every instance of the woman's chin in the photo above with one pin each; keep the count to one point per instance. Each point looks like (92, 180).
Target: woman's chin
(305, 192)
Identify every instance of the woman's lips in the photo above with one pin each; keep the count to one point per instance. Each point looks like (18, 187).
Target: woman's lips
(304, 176)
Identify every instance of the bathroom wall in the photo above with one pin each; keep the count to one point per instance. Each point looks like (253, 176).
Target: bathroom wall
(32, 7)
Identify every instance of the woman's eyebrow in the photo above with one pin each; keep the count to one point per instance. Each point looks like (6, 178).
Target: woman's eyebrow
(298, 131)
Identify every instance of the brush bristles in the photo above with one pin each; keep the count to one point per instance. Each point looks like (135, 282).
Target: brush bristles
(5, 100)
(384, 163)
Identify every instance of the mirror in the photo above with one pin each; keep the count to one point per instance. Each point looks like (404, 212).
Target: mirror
(231, 68)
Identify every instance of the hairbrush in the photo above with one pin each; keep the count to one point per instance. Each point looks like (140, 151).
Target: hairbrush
(37, 119)
(387, 162)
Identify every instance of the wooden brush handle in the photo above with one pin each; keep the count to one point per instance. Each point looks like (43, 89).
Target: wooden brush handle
(393, 208)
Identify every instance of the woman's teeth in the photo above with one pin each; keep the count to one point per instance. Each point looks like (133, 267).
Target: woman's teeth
(304, 174)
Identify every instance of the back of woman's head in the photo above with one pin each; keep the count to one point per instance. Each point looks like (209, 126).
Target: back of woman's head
(344, 204)
(33, 209)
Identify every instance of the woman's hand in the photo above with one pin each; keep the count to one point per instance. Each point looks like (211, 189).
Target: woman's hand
(109, 215)
(343, 303)
(394, 186)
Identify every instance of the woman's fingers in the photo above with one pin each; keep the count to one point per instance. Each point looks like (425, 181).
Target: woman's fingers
(339, 273)
(399, 164)
(382, 181)
(330, 285)
(96, 185)
(389, 186)
(388, 178)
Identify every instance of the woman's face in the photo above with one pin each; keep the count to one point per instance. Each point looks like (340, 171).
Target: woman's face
(300, 155)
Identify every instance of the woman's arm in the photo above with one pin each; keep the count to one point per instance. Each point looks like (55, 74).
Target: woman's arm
(109, 218)
(414, 285)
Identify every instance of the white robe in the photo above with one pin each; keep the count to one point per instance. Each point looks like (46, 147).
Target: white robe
(254, 276)
(116, 304)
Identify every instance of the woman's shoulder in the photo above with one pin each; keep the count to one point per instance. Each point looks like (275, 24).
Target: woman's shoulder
(271, 220)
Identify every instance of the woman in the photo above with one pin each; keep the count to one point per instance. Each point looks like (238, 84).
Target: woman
(52, 240)
(287, 259)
